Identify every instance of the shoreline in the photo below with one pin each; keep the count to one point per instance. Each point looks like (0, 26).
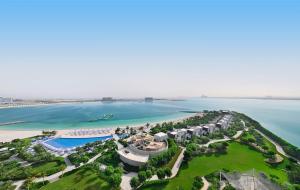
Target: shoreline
(9, 135)
(35, 105)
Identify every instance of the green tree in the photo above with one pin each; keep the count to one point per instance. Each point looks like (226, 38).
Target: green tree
(161, 173)
(115, 180)
(168, 172)
(109, 170)
(142, 176)
(148, 173)
(134, 182)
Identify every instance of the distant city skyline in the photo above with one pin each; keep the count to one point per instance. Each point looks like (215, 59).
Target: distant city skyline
(93, 49)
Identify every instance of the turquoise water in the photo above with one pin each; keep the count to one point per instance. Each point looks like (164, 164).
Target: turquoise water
(280, 116)
(74, 142)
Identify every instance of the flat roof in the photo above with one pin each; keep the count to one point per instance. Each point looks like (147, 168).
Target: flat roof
(133, 156)
(160, 134)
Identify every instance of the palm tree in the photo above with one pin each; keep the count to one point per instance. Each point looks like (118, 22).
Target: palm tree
(127, 129)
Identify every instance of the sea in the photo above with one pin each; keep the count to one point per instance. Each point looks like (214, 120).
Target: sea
(282, 117)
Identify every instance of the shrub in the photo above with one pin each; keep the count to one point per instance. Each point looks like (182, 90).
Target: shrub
(198, 183)
(155, 182)
(142, 176)
(149, 174)
(161, 173)
(134, 182)
(168, 172)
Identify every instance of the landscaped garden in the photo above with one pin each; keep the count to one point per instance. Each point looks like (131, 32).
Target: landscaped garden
(80, 179)
(48, 168)
(238, 158)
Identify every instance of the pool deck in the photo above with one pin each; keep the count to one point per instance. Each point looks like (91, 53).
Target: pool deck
(64, 151)
(85, 133)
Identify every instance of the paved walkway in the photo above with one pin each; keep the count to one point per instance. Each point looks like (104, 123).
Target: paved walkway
(205, 184)
(238, 134)
(18, 184)
(55, 177)
(94, 158)
(125, 184)
(177, 164)
(278, 147)
(70, 167)
(175, 167)
(215, 141)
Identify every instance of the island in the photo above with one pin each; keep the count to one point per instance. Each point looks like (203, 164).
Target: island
(208, 150)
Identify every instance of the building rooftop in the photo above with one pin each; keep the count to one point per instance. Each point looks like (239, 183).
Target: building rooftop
(133, 156)
(160, 134)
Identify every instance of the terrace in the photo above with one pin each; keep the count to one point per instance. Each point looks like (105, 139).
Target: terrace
(141, 147)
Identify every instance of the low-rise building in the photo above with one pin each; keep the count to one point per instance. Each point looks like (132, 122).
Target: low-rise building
(141, 147)
(179, 135)
(160, 137)
(224, 122)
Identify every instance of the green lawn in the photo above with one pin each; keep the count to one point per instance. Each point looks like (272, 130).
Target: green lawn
(80, 179)
(47, 167)
(238, 158)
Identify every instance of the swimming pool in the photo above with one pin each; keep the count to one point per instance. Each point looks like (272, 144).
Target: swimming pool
(63, 143)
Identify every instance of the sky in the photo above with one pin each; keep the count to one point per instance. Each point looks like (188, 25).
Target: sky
(165, 48)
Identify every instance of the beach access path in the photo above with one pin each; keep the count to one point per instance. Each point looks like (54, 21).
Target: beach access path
(278, 147)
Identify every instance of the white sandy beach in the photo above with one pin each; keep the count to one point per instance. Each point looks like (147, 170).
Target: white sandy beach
(9, 135)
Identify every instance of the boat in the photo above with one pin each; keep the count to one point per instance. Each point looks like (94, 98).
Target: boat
(103, 117)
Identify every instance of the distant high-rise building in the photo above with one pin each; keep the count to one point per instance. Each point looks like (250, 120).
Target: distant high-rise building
(149, 99)
(107, 99)
(6, 100)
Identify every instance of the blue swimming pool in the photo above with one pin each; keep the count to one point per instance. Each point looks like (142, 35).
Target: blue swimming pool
(74, 142)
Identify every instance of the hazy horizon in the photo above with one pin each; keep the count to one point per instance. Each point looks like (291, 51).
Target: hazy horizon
(92, 49)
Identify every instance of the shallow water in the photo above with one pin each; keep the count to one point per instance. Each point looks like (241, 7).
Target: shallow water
(280, 116)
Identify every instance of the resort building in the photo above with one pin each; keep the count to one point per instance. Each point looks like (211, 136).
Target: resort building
(224, 122)
(141, 147)
(195, 131)
(179, 135)
(209, 128)
(6, 100)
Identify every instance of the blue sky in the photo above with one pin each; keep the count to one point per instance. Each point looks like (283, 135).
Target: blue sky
(166, 48)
